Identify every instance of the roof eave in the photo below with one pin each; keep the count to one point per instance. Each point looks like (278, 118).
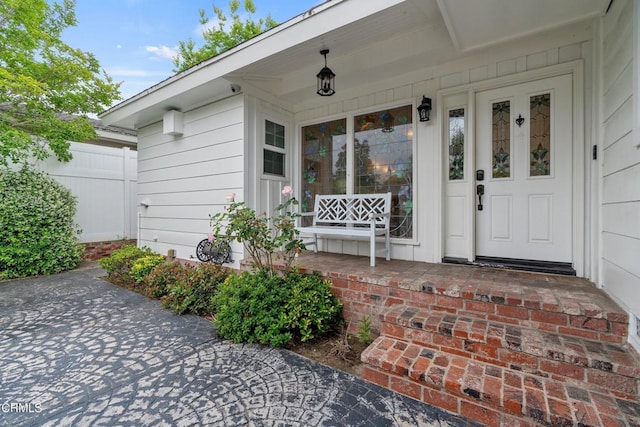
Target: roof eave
(293, 32)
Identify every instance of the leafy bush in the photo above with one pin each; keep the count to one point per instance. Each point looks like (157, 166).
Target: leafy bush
(269, 309)
(37, 230)
(158, 281)
(264, 238)
(120, 262)
(250, 308)
(311, 309)
(142, 266)
(193, 290)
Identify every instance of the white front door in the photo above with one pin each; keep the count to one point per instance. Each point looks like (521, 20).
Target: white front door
(524, 146)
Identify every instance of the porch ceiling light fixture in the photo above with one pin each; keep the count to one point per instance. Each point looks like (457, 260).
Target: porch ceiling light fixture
(326, 78)
(424, 109)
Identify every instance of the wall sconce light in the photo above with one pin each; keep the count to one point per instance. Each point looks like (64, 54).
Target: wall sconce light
(326, 78)
(424, 109)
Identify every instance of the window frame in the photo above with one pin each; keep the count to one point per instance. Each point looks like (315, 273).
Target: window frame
(350, 136)
(264, 146)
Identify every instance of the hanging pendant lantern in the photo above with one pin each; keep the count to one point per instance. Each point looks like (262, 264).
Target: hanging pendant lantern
(326, 78)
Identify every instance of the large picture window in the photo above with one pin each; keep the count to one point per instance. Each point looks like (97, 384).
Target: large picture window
(382, 153)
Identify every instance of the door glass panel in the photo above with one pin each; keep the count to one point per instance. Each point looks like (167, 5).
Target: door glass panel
(456, 144)
(540, 135)
(324, 162)
(501, 139)
(383, 162)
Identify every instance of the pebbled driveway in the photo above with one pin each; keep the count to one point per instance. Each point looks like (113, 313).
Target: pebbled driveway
(75, 350)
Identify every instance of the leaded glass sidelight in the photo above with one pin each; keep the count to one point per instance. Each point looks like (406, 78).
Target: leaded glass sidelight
(540, 135)
(501, 139)
(456, 144)
(383, 162)
(324, 161)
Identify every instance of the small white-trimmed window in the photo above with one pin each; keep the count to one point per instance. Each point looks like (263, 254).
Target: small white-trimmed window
(274, 149)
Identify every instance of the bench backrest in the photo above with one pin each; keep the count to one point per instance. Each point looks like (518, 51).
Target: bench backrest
(351, 209)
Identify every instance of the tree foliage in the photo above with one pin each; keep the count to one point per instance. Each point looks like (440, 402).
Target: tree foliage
(217, 38)
(46, 86)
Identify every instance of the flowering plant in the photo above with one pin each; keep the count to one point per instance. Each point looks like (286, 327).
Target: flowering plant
(263, 237)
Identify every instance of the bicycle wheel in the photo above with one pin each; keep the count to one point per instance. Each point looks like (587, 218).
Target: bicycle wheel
(203, 250)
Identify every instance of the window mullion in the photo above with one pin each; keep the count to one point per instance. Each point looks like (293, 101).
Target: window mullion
(350, 154)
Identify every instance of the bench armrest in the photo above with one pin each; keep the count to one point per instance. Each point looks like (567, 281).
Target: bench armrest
(373, 216)
(307, 213)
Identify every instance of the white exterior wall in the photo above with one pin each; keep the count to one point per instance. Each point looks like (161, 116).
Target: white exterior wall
(184, 179)
(103, 179)
(620, 165)
(428, 154)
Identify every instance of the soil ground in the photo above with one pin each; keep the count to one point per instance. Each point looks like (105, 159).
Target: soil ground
(326, 350)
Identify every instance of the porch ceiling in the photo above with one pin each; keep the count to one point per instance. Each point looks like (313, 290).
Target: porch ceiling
(394, 39)
(477, 24)
(409, 36)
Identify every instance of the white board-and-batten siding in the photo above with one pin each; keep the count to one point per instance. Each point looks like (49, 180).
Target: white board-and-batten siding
(620, 150)
(184, 179)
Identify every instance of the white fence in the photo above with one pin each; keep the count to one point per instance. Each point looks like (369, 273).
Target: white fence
(104, 180)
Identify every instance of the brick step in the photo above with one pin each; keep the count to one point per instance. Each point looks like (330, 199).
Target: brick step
(529, 350)
(574, 314)
(491, 394)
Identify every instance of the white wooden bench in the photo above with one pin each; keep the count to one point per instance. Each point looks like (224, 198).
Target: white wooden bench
(355, 215)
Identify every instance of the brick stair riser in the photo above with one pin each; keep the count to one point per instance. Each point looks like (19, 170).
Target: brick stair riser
(366, 299)
(490, 344)
(513, 413)
(487, 415)
(625, 383)
(451, 382)
(593, 328)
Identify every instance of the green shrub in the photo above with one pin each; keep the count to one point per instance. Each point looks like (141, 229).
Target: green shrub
(193, 290)
(267, 309)
(311, 309)
(37, 230)
(120, 262)
(142, 266)
(161, 277)
(250, 309)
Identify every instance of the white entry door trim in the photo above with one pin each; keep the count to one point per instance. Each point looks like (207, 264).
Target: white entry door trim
(527, 201)
(580, 254)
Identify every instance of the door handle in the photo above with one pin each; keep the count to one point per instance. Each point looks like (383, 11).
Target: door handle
(480, 193)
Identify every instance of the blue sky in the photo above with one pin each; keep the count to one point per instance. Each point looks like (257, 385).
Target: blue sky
(135, 39)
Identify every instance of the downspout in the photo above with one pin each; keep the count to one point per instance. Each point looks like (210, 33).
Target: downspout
(138, 228)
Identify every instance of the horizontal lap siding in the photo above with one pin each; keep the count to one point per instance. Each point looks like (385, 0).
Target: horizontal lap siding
(185, 179)
(621, 160)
